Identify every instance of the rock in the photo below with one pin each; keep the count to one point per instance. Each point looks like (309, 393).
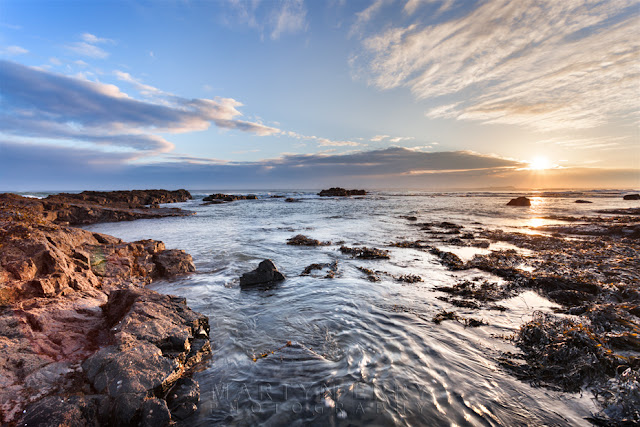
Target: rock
(341, 192)
(520, 201)
(264, 274)
(291, 200)
(154, 413)
(76, 319)
(173, 262)
(301, 240)
(583, 201)
(222, 198)
(74, 411)
(183, 398)
(365, 252)
(631, 197)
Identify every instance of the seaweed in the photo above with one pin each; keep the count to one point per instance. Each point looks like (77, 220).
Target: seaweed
(302, 240)
(365, 252)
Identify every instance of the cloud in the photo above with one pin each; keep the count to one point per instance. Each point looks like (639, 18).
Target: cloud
(291, 18)
(276, 18)
(44, 167)
(543, 65)
(43, 104)
(325, 142)
(379, 138)
(13, 51)
(88, 46)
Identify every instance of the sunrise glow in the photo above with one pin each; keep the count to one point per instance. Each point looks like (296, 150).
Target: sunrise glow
(540, 163)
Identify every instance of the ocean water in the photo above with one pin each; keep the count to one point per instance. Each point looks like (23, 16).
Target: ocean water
(361, 352)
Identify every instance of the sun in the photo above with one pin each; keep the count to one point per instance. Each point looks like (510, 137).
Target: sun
(539, 163)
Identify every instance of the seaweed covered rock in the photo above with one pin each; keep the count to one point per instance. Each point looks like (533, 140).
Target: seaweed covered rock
(341, 192)
(302, 240)
(266, 273)
(519, 201)
(365, 252)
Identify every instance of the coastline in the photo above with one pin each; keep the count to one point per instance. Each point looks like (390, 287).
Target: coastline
(83, 341)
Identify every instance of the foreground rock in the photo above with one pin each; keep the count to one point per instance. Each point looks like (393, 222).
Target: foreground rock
(83, 342)
(341, 192)
(631, 197)
(90, 207)
(519, 201)
(265, 274)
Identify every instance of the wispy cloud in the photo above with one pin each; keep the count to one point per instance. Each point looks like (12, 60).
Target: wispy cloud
(544, 65)
(88, 46)
(13, 50)
(290, 18)
(324, 142)
(276, 18)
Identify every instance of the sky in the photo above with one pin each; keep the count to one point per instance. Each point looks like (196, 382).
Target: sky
(259, 94)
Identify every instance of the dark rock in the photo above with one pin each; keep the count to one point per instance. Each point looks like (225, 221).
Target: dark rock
(222, 198)
(365, 252)
(73, 411)
(520, 201)
(183, 398)
(154, 413)
(173, 262)
(301, 240)
(264, 274)
(341, 192)
(583, 201)
(631, 197)
(291, 200)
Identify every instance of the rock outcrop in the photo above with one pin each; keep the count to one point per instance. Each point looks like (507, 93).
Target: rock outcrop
(225, 198)
(82, 341)
(631, 197)
(519, 201)
(90, 207)
(265, 274)
(341, 192)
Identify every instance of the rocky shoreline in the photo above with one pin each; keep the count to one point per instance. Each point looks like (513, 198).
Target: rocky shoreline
(83, 342)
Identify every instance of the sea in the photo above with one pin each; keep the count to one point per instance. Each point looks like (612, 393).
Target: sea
(313, 350)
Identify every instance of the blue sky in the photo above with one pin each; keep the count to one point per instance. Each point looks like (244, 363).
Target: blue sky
(260, 93)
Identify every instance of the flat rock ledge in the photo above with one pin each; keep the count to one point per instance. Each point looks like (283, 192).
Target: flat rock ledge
(82, 341)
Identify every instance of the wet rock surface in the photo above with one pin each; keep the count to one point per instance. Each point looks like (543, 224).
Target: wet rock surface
(301, 240)
(265, 274)
(365, 252)
(218, 198)
(341, 192)
(90, 207)
(519, 201)
(590, 266)
(83, 341)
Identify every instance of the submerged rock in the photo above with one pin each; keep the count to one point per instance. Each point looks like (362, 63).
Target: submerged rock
(631, 197)
(265, 273)
(341, 192)
(519, 201)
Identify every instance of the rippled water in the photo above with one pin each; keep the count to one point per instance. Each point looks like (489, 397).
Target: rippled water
(361, 353)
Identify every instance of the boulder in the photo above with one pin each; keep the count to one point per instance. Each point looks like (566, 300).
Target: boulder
(631, 197)
(519, 201)
(183, 399)
(583, 201)
(173, 262)
(264, 274)
(341, 192)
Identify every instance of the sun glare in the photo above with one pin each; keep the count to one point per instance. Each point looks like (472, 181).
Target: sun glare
(539, 163)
